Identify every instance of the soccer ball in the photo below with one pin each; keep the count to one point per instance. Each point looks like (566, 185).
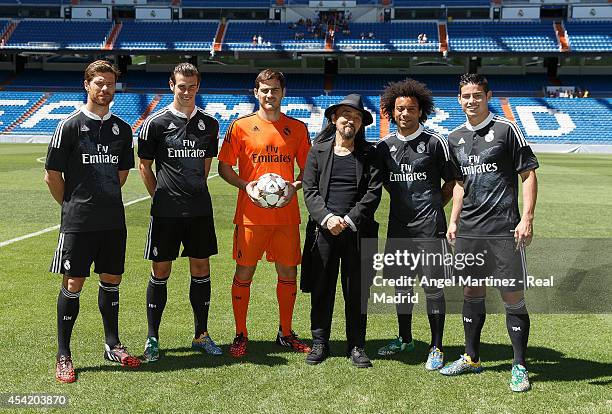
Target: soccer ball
(272, 189)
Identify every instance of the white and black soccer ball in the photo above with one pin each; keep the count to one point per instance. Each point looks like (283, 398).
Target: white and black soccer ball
(272, 189)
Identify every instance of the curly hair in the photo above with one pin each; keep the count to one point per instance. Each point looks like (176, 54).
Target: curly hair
(407, 88)
(475, 79)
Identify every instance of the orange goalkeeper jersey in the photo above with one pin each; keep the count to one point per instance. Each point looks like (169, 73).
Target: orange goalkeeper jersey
(261, 147)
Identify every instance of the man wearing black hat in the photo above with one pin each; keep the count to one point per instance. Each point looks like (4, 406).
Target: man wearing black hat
(342, 188)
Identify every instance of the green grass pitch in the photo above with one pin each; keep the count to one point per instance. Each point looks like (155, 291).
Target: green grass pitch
(569, 357)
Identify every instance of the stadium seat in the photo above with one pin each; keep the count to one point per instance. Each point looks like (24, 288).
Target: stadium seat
(59, 34)
(555, 120)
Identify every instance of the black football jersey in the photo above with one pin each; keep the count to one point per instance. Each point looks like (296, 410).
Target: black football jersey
(91, 151)
(179, 146)
(490, 155)
(414, 168)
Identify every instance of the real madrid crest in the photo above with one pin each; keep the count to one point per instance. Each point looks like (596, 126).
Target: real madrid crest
(115, 129)
(421, 147)
(490, 136)
(201, 125)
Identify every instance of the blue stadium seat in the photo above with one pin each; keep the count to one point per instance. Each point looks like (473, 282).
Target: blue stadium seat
(542, 120)
(167, 35)
(59, 34)
(502, 37)
(275, 36)
(589, 36)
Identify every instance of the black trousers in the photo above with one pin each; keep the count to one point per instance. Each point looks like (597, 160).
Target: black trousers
(330, 254)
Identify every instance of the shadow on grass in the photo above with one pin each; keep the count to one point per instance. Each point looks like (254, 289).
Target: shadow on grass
(263, 353)
(544, 364)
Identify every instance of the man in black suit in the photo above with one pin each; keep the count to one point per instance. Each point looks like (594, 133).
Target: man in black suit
(342, 189)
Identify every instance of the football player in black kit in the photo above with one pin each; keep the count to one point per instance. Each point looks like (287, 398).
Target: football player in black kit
(89, 158)
(415, 161)
(492, 153)
(182, 140)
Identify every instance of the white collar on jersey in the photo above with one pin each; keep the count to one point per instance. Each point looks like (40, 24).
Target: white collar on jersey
(412, 136)
(481, 125)
(94, 116)
(180, 114)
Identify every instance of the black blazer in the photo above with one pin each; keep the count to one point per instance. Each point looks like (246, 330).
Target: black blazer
(315, 184)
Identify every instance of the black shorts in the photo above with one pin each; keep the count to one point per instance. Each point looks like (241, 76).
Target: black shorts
(491, 262)
(76, 252)
(167, 233)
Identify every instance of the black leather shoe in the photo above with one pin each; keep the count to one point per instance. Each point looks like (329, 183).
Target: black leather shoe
(359, 358)
(317, 354)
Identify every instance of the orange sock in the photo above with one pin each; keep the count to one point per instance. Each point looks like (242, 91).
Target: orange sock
(285, 293)
(241, 292)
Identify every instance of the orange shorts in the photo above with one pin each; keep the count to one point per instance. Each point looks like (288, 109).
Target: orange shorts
(281, 244)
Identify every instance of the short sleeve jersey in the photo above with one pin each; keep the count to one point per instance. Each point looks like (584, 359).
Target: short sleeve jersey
(490, 155)
(91, 151)
(260, 147)
(179, 146)
(413, 170)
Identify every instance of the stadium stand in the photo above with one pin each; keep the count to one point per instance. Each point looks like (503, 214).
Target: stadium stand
(527, 84)
(598, 84)
(439, 3)
(590, 36)
(275, 36)
(396, 36)
(186, 35)
(543, 120)
(304, 84)
(59, 34)
(226, 3)
(38, 79)
(13, 105)
(35, 2)
(564, 121)
(488, 36)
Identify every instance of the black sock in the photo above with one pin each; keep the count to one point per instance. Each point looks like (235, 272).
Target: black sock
(157, 294)
(474, 315)
(436, 311)
(199, 296)
(404, 316)
(517, 322)
(108, 303)
(67, 312)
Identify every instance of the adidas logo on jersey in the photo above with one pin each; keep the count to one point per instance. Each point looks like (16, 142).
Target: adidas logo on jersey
(461, 141)
(171, 126)
(84, 128)
(393, 149)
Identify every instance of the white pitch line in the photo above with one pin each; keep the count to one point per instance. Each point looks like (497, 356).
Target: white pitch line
(27, 236)
(48, 229)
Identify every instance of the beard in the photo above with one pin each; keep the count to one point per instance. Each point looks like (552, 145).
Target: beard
(347, 133)
(103, 101)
